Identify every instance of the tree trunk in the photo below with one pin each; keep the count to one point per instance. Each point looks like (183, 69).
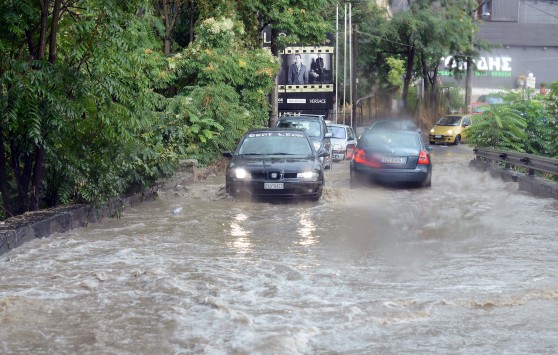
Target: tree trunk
(408, 76)
(191, 21)
(3, 177)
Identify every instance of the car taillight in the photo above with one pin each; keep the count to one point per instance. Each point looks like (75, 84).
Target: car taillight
(423, 157)
(360, 157)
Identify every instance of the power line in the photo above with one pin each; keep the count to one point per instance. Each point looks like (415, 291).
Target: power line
(544, 12)
(385, 39)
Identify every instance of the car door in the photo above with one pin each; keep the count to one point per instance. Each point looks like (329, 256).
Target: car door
(465, 123)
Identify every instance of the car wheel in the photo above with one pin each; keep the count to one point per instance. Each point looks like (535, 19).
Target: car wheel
(432, 142)
(427, 182)
(354, 180)
(457, 139)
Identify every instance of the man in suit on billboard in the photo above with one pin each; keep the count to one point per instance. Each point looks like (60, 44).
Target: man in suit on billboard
(297, 74)
(320, 68)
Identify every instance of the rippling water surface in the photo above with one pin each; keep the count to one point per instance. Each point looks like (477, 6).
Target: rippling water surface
(467, 266)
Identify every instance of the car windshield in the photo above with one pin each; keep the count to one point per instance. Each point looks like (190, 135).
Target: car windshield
(449, 121)
(275, 144)
(337, 132)
(312, 127)
(391, 139)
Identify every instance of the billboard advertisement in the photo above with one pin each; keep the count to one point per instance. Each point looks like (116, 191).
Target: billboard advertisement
(509, 68)
(306, 79)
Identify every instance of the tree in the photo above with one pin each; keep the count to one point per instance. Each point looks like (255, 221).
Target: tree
(419, 36)
(76, 92)
(223, 85)
(169, 11)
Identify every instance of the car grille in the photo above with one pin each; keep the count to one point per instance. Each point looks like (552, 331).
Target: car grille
(272, 175)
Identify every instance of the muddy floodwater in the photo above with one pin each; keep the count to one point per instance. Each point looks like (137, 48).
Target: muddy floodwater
(468, 266)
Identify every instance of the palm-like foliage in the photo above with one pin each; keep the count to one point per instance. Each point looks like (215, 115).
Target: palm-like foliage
(500, 127)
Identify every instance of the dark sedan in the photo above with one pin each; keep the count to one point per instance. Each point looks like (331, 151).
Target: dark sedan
(274, 162)
(391, 156)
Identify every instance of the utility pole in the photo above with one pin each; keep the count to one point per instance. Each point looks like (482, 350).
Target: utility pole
(469, 77)
(354, 77)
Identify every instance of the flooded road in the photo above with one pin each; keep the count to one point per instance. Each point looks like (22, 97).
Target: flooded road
(468, 266)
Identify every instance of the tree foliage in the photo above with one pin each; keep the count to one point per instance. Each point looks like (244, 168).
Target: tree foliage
(71, 119)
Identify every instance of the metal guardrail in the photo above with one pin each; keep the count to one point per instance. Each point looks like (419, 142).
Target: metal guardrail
(531, 162)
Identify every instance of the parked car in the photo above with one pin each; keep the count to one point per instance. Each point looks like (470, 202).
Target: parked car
(479, 107)
(275, 162)
(491, 99)
(450, 129)
(343, 141)
(391, 156)
(399, 124)
(316, 128)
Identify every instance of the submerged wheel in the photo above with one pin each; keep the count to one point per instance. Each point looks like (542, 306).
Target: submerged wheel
(457, 140)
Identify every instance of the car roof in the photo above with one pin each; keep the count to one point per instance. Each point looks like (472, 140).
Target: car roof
(302, 117)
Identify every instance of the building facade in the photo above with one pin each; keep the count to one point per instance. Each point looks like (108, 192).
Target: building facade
(524, 34)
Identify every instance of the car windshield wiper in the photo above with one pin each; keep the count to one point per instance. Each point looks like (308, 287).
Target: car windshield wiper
(282, 154)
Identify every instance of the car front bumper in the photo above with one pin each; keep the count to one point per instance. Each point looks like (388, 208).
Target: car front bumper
(438, 138)
(291, 189)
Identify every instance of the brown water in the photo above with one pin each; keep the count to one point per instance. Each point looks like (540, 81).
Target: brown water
(467, 266)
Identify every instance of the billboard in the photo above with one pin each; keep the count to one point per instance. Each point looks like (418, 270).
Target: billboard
(508, 67)
(306, 79)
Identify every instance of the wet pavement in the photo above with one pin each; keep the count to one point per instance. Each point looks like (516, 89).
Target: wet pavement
(467, 266)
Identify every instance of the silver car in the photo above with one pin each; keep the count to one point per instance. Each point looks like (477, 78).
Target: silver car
(343, 141)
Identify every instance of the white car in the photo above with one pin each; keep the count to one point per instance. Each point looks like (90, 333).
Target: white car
(343, 141)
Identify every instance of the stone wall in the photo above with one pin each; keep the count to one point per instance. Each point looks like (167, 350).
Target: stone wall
(18, 230)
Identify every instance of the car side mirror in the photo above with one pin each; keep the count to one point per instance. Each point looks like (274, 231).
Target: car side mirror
(227, 154)
(328, 135)
(323, 153)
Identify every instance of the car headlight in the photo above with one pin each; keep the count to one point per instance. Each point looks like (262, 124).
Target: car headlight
(450, 132)
(317, 145)
(337, 147)
(240, 173)
(432, 130)
(308, 175)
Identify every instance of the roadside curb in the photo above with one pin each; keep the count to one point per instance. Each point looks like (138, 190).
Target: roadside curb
(18, 230)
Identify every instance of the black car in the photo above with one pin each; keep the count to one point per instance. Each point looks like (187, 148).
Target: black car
(275, 162)
(391, 156)
(316, 128)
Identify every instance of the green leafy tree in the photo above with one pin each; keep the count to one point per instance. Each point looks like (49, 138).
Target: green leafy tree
(551, 102)
(76, 91)
(419, 37)
(223, 87)
(500, 127)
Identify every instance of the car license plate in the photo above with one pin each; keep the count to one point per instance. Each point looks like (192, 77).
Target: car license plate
(437, 136)
(394, 160)
(273, 186)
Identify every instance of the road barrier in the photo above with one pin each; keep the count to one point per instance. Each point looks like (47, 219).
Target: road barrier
(503, 163)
